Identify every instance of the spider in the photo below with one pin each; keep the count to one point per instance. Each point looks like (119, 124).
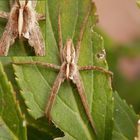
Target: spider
(22, 22)
(69, 70)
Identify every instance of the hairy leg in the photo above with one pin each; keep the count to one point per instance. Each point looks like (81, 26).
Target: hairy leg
(34, 3)
(11, 3)
(80, 87)
(43, 64)
(40, 17)
(60, 42)
(34, 34)
(83, 26)
(97, 68)
(54, 90)
(8, 38)
(4, 14)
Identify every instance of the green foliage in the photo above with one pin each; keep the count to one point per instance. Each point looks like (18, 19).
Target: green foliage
(138, 3)
(125, 120)
(12, 123)
(99, 96)
(34, 83)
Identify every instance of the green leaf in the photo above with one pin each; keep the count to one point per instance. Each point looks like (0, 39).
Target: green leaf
(42, 128)
(138, 3)
(125, 120)
(21, 46)
(35, 134)
(12, 123)
(41, 125)
(35, 82)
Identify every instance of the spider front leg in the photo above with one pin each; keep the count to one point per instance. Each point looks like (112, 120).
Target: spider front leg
(60, 41)
(97, 68)
(40, 17)
(82, 29)
(4, 14)
(11, 2)
(43, 64)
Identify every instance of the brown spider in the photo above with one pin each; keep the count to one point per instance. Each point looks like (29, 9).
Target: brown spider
(69, 69)
(22, 22)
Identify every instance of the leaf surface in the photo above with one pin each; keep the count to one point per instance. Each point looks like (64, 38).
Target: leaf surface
(12, 123)
(125, 120)
(36, 82)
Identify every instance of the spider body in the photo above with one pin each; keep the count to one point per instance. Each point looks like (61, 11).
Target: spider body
(22, 23)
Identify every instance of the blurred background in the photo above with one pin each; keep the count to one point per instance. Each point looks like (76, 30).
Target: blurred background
(121, 31)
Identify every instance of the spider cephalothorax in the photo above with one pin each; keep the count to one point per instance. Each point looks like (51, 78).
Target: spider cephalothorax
(68, 55)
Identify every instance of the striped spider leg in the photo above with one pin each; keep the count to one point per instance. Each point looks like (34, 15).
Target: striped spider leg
(22, 23)
(69, 70)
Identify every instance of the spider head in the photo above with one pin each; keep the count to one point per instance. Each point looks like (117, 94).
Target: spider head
(22, 3)
(69, 52)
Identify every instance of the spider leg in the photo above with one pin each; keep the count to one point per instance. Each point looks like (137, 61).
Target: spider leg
(83, 26)
(8, 38)
(54, 90)
(34, 35)
(43, 64)
(26, 2)
(34, 3)
(80, 87)
(4, 14)
(97, 68)
(40, 17)
(18, 3)
(60, 42)
(11, 3)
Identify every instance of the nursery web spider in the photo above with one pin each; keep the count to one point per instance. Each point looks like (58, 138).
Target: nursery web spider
(22, 22)
(69, 69)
